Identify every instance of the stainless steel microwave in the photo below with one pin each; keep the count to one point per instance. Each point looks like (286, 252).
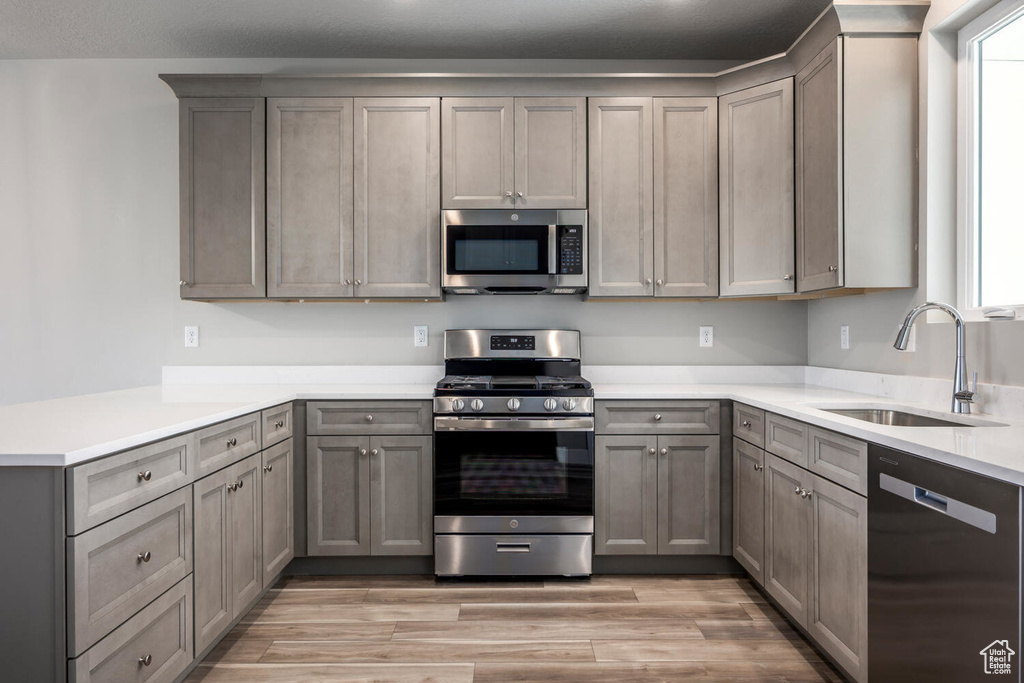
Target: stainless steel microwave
(505, 251)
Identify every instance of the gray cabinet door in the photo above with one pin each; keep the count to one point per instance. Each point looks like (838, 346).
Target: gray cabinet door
(686, 197)
(819, 171)
(401, 495)
(551, 152)
(756, 190)
(787, 567)
(621, 180)
(838, 588)
(309, 197)
(478, 154)
(748, 507)
(397, 198)
(338, 495)
(688, 495)
(212, 557)
(222, 189)
(278, 522)
(244, 532)
(626, 495)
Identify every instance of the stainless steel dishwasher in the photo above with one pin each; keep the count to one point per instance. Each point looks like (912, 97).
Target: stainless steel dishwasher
(944, 581)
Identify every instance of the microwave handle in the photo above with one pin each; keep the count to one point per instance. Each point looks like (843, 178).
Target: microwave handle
(553, 249)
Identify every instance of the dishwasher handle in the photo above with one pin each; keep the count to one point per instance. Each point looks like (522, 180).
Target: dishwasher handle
(951, 507)
(931, 499)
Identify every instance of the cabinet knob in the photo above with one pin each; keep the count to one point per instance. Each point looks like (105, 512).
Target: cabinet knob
(240, 484)
(652, 451)
(268, 468)
(657, 417)
(519, 194)
(797, 490)
(347, 282)
(368, 418)
(508, 193)
(145, 476)
(647, 281)
(758, 467)
(362, 451)
(746, 423)
(144, 557)
(358, 282)
(804, 493)
(374, 452)
(664, 451)
(182, 283)
(787, 277)
(660, 283)
(833, 269)
(146, 661)
(232, 442)
(279, 424)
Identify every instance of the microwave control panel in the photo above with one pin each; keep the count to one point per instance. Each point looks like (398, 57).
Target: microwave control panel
(570, 249)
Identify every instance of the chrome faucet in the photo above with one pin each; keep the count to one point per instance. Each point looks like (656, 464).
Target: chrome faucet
(962, 396)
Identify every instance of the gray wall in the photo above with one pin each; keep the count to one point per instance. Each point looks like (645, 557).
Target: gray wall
(88, 186)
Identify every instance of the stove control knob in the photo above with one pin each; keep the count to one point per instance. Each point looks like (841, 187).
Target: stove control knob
(477, 405)
(513, 404)
(569, 404)
(458, 404)
(550, 404)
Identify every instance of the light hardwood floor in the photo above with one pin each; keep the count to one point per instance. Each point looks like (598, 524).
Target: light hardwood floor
(607, 629)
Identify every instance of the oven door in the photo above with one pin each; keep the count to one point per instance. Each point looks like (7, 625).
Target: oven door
(500, 467)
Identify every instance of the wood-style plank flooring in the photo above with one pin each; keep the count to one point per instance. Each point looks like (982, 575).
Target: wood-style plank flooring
(412, 629)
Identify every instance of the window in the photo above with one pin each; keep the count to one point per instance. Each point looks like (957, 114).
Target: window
(991, 235)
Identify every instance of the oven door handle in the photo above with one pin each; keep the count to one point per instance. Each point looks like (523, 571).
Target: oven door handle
(480, 424)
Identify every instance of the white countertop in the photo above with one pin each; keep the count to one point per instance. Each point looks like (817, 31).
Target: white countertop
(67, 431)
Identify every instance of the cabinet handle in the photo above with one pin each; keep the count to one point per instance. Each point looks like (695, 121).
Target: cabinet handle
(146, 661)
(232, 442)
(833, 269)
(758, 467)
(746, 423)
(145, 476)
(664, 451)
(652, 451)
(657, 417)
(787, 277)
(268, 468)
(279, 424)
(369, 418)
(374, 452)
(144, 557)
(362, 451)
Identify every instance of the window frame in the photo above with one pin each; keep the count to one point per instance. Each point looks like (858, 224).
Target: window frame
(968, 140)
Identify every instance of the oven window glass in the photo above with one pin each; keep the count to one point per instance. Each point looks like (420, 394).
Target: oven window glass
(493, 472)
(486, 250)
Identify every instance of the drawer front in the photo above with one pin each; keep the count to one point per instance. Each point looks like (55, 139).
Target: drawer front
(786, 438)
(116, 569)
(657, 417)
(748, 424)
(838, 458)
(154, 646)
(507, 554)
(369, 417)
(226, 443)
(277, 424)
(103, 489)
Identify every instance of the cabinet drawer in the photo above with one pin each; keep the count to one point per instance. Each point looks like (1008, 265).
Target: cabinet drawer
(748, 424)
(103, 489)
(838, 458)
(277, 424)
(786, 438)
(226, 443)
(369, 417)
(657, 417)
(116, 569)
(161, 634)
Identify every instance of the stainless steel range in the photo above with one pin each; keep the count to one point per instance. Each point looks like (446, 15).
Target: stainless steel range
(513, 455)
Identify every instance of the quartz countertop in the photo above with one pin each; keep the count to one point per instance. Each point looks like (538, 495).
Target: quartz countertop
(67, 431)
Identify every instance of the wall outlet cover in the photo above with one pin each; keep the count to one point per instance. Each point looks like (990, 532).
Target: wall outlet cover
(844, 337)
(191, 337)
(707, 335)
(419, 335)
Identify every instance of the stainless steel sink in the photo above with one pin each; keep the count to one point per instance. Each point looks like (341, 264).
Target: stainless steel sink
(894, 418)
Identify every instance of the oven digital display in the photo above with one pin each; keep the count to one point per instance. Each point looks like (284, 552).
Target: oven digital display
(510, 343)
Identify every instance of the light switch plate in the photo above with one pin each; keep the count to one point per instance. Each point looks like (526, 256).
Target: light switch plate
(707, 335)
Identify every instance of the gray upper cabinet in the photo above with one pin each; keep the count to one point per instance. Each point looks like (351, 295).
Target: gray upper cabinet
(309, 197)
(756, 190)
(856, 164)
(686, 197)
(500, 152)
(621, 183)
(278, 520)
(222, 189)
(478, 157)
(688, 495)
(401, 495)
(338, 495)
(551, 152)
(397, 192)
(626, 495)
(819, 163)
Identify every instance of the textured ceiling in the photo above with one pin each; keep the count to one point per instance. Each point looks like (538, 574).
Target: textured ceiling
(458, 29)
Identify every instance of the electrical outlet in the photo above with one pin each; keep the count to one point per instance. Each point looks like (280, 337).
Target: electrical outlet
(844, 337)
(419, 335)
(191, 337)
(707, 335)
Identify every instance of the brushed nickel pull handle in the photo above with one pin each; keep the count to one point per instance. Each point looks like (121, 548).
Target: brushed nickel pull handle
(362, 451)
(651, 451)
(758, 467)
(746, 423)
(664, 451)
(145, 476)
(657, 417)
(374, 452)
(146, 661)
(144, 557)
(369, 418)
(268, 468)
(279, 424)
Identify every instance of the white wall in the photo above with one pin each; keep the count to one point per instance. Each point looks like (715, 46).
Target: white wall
(993, 348)
(89, 264)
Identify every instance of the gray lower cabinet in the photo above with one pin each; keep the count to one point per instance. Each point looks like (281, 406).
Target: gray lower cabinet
(756, 190)
(278, 515)
(369, 495)
(228, 541)
(748, 490)
(657, 495)
(222, 188)
(787, 568)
